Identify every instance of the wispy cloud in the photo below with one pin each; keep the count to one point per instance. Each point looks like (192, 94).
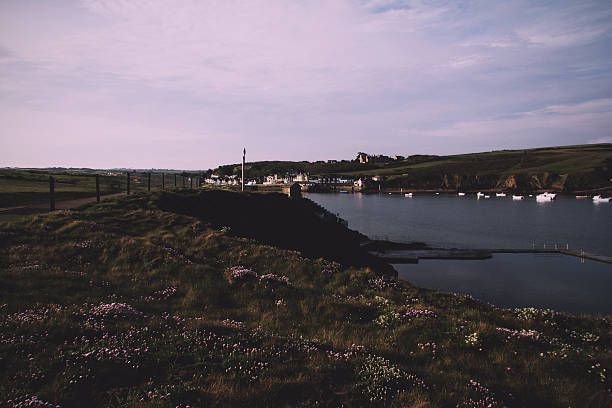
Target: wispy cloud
(298, 80)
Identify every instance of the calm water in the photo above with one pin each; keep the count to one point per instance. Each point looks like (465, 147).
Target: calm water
(508, 280)
(557, 282)
(465, 222)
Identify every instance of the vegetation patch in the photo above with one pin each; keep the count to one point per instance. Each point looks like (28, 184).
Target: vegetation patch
(135, 302)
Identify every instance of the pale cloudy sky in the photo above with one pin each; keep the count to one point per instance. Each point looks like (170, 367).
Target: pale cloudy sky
(186, 83)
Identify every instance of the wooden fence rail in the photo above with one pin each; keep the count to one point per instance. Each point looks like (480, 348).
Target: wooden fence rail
(134, 182)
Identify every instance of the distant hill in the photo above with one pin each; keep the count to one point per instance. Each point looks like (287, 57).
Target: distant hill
(563, 168)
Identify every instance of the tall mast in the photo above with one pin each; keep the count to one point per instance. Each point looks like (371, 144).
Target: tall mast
(243, 160)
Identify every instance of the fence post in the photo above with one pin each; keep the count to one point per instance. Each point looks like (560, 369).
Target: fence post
(149, 182)
(163, 181)
(128, 183)
(175, 180)
(97, 187)
(183, 176)
(51, 193)
(191, 182)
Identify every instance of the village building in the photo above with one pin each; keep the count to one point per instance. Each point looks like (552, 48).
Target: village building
(301, 177)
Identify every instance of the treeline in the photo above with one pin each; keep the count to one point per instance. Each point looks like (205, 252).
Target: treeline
(267, 168)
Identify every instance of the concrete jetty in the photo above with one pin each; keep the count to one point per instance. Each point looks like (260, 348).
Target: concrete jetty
(402, 256)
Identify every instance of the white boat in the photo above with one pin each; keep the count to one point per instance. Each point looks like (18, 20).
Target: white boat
(500, 194)
(409, 195)
(600, 199)
(545, 197)
(581, 197)
(479, 195)
(517, 197)
(460, 194)
(487, 196)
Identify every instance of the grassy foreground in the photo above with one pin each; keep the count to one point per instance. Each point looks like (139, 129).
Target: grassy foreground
(149, 300)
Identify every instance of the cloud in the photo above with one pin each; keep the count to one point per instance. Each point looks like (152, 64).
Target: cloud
(553, 125)
(601, 140)
(466, 61)
(301, 80)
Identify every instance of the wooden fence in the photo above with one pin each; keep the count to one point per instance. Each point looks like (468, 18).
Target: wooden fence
(138, 182)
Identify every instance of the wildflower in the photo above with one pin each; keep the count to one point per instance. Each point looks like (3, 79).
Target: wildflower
(240, 273)
(472, 339)
(271, 278)
(381, 283)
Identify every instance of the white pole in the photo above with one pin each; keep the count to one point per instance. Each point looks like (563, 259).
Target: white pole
(243, 159)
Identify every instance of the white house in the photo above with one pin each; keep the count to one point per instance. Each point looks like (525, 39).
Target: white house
(300, 177)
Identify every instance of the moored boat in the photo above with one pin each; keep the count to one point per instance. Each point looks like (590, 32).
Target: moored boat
(581, 197)
(460, 194)
(545, 197)
(600, 199)
(517, 197)
(479, 194)
(500, 194)
(409, 195)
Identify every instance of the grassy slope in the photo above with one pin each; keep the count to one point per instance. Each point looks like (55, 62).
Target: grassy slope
(125, 304)
(588, 166)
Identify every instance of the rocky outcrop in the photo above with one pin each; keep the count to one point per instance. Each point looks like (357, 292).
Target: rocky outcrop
(507, 183)
(517, 182)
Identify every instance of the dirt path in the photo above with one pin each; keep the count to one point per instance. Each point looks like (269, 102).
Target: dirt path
(13, 213)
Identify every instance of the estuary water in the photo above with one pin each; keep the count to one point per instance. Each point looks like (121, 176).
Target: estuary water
(554, 281)
(545, 281)
(449, 221)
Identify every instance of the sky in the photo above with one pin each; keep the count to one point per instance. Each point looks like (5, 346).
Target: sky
(187, 84)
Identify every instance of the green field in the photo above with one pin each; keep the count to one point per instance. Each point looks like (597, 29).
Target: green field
(23, 187)
(209, 298)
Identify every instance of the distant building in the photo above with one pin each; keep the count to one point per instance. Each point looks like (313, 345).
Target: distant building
(301, 177)
(363, 158)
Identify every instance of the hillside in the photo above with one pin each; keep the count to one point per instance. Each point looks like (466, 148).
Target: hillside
(177, 299)
(563, 169)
